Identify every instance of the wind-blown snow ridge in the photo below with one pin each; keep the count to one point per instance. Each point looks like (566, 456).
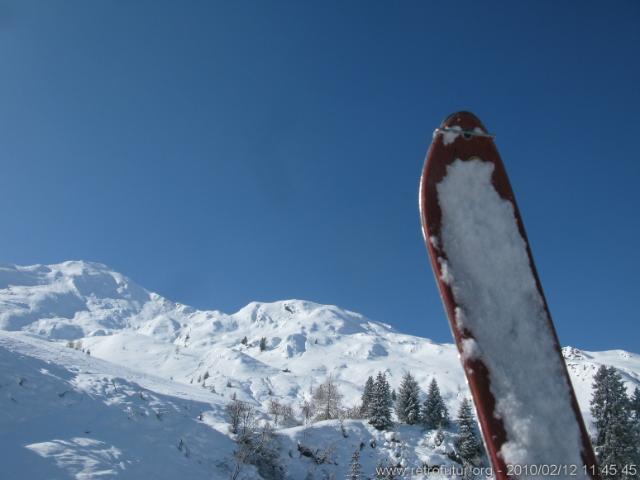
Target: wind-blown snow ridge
(168, 357)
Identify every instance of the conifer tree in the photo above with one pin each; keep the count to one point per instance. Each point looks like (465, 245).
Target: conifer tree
(367, 396)
(434, 411)
(380, 407)
(599, 403)
(355, 472)
(468, 444)
(635, 405)
(616, 435)
(408, 401)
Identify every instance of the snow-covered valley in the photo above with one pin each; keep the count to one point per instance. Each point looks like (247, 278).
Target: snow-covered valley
(100, 378)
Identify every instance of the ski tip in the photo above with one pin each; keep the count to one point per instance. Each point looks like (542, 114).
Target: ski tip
(466, 123)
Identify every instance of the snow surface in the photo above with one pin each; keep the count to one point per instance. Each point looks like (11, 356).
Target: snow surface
(493, 283)
(123, 411)
(450, 134)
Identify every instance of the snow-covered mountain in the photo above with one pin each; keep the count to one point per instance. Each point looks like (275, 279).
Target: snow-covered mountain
(149, 399)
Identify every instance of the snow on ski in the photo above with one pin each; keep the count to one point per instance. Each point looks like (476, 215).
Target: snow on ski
(528, 412)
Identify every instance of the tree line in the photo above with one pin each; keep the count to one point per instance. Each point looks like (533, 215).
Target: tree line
(378, 403)
(616, 416)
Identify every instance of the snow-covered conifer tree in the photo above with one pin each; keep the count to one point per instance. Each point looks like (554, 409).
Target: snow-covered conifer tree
(380, 407)
(635, 405)
(408, 401)
(434, 411)
(616, 435)
(367, 395)
(468, 444)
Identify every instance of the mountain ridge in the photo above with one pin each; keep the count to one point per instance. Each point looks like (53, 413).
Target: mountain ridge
(174, 354)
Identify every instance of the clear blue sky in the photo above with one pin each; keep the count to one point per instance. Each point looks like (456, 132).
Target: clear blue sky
(223, 152)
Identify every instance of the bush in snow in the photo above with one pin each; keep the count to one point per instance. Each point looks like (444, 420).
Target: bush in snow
(306, 409)
(182, 446)
(241, 417)
(258, 448)
(353, 412)
(281, 413)
(263, 344)
(434, 411)
(275, 409)
(327, 400)
(319, 456)
(439, 438)
(408, 400)
(616, 441)
(380, 407)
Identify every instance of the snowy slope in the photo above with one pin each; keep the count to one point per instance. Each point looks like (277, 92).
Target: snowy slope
(67, 415)
(155, 352)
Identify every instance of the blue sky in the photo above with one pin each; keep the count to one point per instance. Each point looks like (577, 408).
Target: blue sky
(223, 152)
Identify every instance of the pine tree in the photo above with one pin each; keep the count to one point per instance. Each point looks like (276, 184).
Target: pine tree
(635, 405)
(599, 403)
(263, 344)
(380, 407)
(434, 411)
(468, 444)
(616, 437)
(408, 402)
(356, 468)
(367, 396)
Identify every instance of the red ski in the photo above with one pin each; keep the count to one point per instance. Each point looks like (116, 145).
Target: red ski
(527, 409)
